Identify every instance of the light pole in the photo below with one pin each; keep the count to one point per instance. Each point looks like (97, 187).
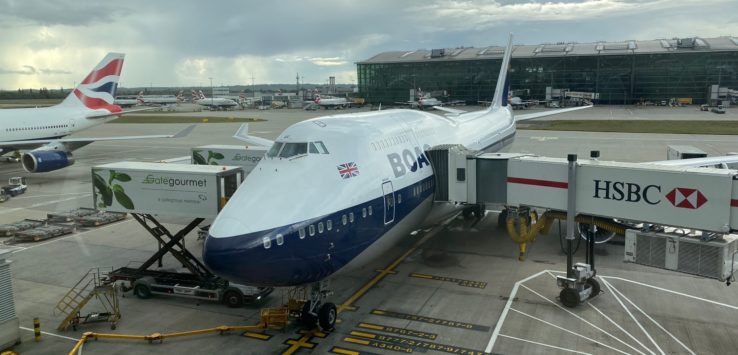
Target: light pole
(212, 98)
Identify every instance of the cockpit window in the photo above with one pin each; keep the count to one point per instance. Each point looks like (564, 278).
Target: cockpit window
(313, 149)
(293, 149)
(321, 147)
(275, 149)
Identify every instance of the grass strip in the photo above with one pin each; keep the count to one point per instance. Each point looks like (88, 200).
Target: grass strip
(637, 126)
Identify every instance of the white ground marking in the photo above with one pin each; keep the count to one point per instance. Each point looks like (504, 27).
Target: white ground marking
(582, 319)
(45, 203)
(567, 330)
(609, 287)
(621, 328)
(543, 139)
(670, 291)
(546, 345)
(652, 320)
(514, 291)
(51, 195)
(51, 334)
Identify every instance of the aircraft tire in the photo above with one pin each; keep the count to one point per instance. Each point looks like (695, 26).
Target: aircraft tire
(307, 319)
(327, 316)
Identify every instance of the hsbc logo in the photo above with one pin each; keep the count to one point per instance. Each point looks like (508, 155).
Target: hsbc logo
(680, 197)
(683, 197)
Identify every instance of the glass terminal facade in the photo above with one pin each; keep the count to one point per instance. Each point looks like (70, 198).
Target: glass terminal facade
(626, 78)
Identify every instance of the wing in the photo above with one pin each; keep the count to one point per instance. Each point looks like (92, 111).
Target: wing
(243, 135)
(74, 143)
(530, 116)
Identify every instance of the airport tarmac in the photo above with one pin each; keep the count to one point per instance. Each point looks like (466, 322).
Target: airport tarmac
(450, 289)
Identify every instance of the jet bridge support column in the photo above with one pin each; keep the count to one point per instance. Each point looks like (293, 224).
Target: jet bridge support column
(579, 284)
(571, 210)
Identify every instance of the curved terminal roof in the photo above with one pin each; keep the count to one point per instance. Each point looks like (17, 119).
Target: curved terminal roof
(562, 49)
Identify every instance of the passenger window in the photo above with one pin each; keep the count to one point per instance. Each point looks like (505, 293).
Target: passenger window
(344, 220)
(363, 212)
(370, 210)
(274, 150)
(311, 229)
(293, 149)
(280, 239)
(302, 233)
(329, 224)
(313, 149)
(267, 242)
(320, 227)
(351, 217)
(399, 198)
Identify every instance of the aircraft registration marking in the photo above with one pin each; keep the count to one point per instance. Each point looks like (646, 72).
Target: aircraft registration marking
(400, 331)
(413, 344)
(460, 282)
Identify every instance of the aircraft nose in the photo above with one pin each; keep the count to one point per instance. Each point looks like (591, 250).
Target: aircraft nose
(236, 258)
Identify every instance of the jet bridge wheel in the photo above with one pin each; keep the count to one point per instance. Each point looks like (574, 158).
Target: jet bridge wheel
(595, 285)
(569, 297)
(327, 316)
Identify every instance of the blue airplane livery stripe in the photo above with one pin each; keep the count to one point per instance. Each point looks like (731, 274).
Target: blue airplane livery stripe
(313, 257)
(109, 87)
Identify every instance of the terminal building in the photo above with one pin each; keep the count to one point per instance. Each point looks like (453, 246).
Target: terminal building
(630, 72)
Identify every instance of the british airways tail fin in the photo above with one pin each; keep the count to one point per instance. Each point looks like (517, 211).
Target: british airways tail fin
(501, 90)
(97, 90)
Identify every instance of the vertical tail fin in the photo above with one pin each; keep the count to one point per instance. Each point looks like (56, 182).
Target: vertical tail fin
(97, 89)
(201, 95)
(501, 90)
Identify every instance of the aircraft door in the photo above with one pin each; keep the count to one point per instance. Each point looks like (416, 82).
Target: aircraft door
(389, 202)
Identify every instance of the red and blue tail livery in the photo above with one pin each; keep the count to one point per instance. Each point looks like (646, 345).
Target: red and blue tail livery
(97, 90)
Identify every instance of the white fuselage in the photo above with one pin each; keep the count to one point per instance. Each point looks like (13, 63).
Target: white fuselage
(44, 122)
(271, 216)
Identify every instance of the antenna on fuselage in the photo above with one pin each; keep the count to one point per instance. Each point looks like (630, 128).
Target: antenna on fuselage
(501, 90)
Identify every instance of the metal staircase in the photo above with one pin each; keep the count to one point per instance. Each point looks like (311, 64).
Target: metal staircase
(92, 285)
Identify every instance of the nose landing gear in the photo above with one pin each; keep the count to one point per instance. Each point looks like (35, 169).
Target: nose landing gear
(316, 311)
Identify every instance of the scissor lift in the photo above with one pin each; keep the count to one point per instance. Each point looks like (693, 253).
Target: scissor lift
(592, 192)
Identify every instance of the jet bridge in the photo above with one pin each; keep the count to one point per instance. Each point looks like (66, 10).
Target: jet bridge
(605, 194)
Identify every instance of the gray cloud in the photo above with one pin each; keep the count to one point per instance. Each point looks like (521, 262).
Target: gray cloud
(50, 13)
(185, 42)
(31, 70)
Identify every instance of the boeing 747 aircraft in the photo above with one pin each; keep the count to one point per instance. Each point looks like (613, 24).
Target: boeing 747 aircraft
(335, 192)
(43, 129)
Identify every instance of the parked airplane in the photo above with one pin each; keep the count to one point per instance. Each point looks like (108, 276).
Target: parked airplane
(335, 192)
(159, 100)
(126, 101)
(332, 102)
(214, 103)
(42, 129)
(424, 101)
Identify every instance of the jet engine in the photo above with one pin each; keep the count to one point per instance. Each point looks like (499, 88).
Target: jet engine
(41, 161)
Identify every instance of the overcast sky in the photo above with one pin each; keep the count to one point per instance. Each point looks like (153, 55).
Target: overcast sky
(182, 43)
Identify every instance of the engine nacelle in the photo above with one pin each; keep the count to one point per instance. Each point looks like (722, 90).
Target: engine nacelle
(41, 161)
